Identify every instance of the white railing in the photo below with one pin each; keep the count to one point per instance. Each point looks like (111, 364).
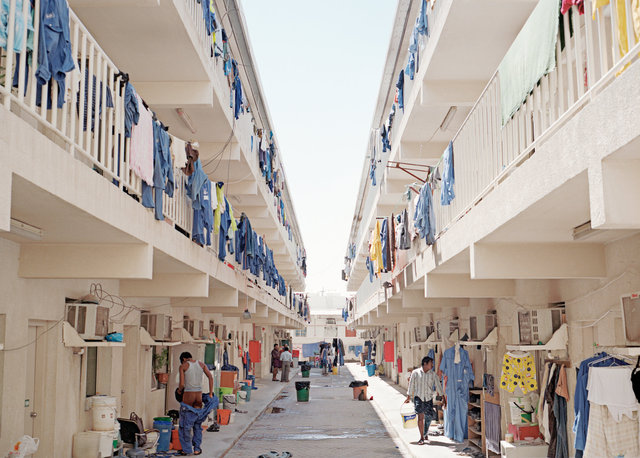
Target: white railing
(178, 208)
(487, 152)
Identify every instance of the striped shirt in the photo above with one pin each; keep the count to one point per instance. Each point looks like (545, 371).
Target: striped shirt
(423, 384)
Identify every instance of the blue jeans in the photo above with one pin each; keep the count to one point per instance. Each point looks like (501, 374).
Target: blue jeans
(191, 419)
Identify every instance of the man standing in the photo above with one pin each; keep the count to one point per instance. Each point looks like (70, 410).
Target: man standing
(275, 362)
(422, 385)
(287, 361)
(192, 410)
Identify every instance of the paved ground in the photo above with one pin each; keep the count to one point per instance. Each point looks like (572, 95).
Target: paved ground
(331, 424)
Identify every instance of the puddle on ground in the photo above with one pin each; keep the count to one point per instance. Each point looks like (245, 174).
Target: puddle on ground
(275, 410)
(282, 396)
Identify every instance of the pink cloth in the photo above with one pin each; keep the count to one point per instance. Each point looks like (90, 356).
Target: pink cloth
(141, 147)
(567, 4)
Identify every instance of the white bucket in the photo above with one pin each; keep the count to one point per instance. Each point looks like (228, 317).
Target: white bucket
(103, 409)
(242, 397)
(409, 416)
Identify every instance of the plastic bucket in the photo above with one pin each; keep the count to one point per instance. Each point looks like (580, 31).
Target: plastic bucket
(357, 390)
(225, 390)
(247, 389)
(242, 397)
(305, 374)
(371, 370)
(303, 395)
(175, 440)
(223, 416)
(335, 370)
(229, 402)
(368, 361)
(103, 409)
(165, 434)
(409, 416)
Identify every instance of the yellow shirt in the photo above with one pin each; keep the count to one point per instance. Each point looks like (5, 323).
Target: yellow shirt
(375, 248)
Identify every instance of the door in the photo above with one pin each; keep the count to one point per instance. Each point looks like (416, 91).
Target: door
(30, 411)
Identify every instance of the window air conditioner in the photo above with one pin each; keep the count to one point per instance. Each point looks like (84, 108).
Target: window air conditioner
(422, 333)
(480, 326)
(194, 327)
(91, 321)
(445, 328)
(631, 319)
(157, 325)
(539, 325)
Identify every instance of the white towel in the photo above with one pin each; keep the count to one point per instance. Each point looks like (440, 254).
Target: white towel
(611, 386)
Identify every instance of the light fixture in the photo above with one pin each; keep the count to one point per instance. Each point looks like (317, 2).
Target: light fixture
(25, 230)
(449, 117)
(186, 120)
(583, 231)
(246, 314)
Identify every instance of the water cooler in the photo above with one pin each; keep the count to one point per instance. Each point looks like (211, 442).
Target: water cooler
(99, 441)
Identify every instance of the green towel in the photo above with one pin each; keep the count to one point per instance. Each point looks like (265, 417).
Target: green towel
(531, 56)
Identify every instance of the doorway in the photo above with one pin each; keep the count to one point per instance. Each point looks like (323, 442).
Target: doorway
(34, 362)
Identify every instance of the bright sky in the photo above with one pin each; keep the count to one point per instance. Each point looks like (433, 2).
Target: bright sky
(321, 64)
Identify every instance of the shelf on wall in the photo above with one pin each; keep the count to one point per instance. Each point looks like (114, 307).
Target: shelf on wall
(147, 340)
(559, 341)
(431, 340)
(490, 341)
(71, 338)
(627, 351)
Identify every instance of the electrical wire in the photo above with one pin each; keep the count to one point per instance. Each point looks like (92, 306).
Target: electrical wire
(36, 339)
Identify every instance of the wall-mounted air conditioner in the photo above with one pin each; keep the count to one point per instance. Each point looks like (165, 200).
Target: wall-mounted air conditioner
(157, 325)
(444, 328)
(91, 321)
(481, 325)
(194, 327)
(539, 325)
(422, 333)
(631, 319)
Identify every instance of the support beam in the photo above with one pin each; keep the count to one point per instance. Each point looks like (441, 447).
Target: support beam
(537, 261)
(86, 261)
(451, 93)
(219, 151)
(418, 151)
(460, 285)
(167, 285)
(414, 299)
(614, 189)
(242, 188)
(170, 94)
(218, 297)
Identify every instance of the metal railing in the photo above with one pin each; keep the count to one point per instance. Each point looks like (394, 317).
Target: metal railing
(594, 53)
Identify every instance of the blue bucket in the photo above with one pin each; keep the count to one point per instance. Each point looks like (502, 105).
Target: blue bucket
(371, 370)
(165, 434)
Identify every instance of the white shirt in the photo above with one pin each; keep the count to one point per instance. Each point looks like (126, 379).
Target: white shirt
(422, 384)
(286, 356)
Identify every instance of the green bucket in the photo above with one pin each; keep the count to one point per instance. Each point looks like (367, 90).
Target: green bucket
(161, 418)
(305, 374)
(303, 395)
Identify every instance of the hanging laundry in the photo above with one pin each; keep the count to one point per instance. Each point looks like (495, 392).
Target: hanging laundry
(424, 218)
(384, 240)
(403, 238)
(386, 144)
(423, 21)
(412, 64)
(531, 56)
(458, 376)
(131, 109)
(448, 177)
(55, 57)
(178, 152)
(96, 99)
(142, 144)
(567, 4)
(518, 371)
(20, 22)
(209, 15)
(370, 269)
(163, 181)
(199, 190)
(621, 22)
(400, 87)
(375, 248)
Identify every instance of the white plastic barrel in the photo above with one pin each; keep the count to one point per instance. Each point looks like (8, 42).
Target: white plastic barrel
(103, 409)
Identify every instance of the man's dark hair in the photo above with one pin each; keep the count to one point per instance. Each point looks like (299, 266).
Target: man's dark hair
(275, 345)
(426, 360)
(184, 356)
(286, 348)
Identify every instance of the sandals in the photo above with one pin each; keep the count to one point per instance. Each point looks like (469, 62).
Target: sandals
(421, 441)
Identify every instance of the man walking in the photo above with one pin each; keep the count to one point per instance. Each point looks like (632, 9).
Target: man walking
(422, 385)
(275, 362)
(287, 361)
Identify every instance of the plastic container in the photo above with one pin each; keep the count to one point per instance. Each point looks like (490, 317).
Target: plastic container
(247, 389)
(175, 440)
(335, 370)
(103, 409)
(225, 390)
(165, 434)
(305, 374)
(302, 391)
(371, 370)
(242, 397)
(223, 416)
(368, 361)
(357, 390)
(229, 402)
(409, 416)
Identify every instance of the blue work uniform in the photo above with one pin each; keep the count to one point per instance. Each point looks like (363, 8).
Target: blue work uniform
(457, 390)
(191, 419)
(424, 218)
(162, 172)
(448, 177)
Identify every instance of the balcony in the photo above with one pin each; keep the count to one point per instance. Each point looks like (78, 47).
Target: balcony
(89, 128)
(489, 207)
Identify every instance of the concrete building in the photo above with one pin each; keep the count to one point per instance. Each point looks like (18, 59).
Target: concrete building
(545, 214)
(71, 213)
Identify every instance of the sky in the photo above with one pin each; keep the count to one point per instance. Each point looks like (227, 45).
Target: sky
(320, 64)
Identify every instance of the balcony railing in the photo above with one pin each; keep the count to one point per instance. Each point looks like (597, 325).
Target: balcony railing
(487, 152)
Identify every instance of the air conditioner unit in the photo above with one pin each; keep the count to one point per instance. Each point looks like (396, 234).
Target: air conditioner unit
(91, 321)
(480, 326)
(194, 327)
(157, 325)
(539, 325)
(445, 328)
(422, 333)
(631, 319)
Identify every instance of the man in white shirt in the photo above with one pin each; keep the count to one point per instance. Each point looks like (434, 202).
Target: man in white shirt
(422, 385)
(287, 361)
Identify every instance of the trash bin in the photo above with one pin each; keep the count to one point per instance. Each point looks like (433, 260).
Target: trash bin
(164, 427)
(371, 370)
(359, 387)
(302, 391)
(305, 374)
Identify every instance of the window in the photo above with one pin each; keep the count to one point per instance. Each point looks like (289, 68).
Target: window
(301, 332)
(331, 321)
(159, 364)
(92, 370)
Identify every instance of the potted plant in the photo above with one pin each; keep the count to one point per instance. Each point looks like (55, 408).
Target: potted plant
(160, 365)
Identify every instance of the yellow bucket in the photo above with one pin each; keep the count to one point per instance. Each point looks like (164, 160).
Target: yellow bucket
(409, 416)
(335, 370)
